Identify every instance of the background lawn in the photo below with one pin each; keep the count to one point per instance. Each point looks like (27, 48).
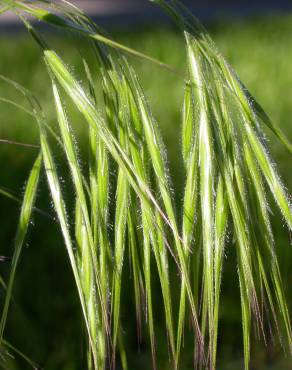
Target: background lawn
(44, 319)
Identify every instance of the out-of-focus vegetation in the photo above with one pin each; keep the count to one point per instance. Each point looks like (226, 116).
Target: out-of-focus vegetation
(44, 319)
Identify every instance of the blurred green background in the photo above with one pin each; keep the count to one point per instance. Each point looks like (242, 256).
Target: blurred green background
(45, 320)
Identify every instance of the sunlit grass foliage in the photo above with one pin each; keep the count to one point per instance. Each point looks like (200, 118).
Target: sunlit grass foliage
(228, 173)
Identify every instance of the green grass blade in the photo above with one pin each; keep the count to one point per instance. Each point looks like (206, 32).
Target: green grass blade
(77, 180)
(188, 123)
(266, 241)
(56, 20)
(270, 175)
(135, 263)
(122, 199)
(87, 278)
(31, 363)
(206, 175)
(190, 208)
(59, 204)
(148, 286)
(262, 115)
(24, 220)
(221, 219)
(8, 194)
(156, 151)
(157, 238)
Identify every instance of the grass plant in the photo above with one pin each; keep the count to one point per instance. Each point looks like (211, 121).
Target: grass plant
(228, 171)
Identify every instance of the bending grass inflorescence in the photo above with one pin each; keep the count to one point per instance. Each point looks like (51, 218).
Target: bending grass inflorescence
(227, 170)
